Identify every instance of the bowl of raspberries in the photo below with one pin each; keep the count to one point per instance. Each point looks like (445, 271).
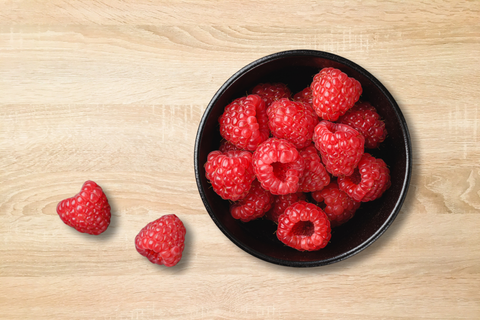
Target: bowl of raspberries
(303, 158)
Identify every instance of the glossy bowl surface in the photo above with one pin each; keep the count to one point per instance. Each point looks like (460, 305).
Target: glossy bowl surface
(296, 68)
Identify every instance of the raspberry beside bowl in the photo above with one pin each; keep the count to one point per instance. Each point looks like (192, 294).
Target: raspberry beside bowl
(296, 68)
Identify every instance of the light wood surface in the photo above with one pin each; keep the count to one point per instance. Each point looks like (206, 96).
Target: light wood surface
(113, 91)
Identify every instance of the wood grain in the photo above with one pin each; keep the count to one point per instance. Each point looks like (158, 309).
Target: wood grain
(113, 91)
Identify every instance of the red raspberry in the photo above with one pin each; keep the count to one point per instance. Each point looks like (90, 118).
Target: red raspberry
(292, 121)
(364, 118)
(162, 241)
(334, 93)
(340, 146)
(278, 166)
(304, 226)
(282, 202)
(244, 122)
(230, 173)
(315, 176)
(304, 96)
(271, 92)
(339, 207)
(257, 202)
(227, 146)
(88, 211)
(369, 181)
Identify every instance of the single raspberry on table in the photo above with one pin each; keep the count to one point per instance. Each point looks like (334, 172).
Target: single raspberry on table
(257, 202)
(305, 96)
(304, 226)
(315, 176)
(338, 206)
(369, 181)
(340, 146)
(334, 92)
(244, 122)
(292, 121)
(364, 118)
(271, 92)
(88, 211)
(278, 166)
(162, 241)
(282, 202)
(231, 173)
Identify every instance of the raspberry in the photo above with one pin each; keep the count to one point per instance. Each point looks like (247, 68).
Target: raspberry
(334, 93)
(271, 92)
(364, 118)
(369, 181)
(315, 176)
(227, 146)
(162, 241)
(257, 202)
(304, 226)
(88, 211)
(292, 121)
(340, 146)
(282, 202)
(339, 207)
(244, 122)
(278, 166)
(230, 173)
(304, 96)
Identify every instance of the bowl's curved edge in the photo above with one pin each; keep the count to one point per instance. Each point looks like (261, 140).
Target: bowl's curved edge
(408, 155)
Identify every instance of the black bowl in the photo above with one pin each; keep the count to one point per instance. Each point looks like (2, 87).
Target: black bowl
(296, 68)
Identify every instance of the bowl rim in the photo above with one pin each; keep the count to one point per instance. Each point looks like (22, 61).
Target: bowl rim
(405, 134)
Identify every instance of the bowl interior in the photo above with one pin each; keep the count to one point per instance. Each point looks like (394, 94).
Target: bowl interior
(296, 69)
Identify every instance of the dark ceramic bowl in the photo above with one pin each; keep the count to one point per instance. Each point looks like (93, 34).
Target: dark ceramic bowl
(296, 68)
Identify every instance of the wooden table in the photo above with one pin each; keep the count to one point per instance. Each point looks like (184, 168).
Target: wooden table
(113, 91)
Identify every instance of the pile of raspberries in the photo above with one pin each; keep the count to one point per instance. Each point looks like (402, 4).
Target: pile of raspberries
(300, 160)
